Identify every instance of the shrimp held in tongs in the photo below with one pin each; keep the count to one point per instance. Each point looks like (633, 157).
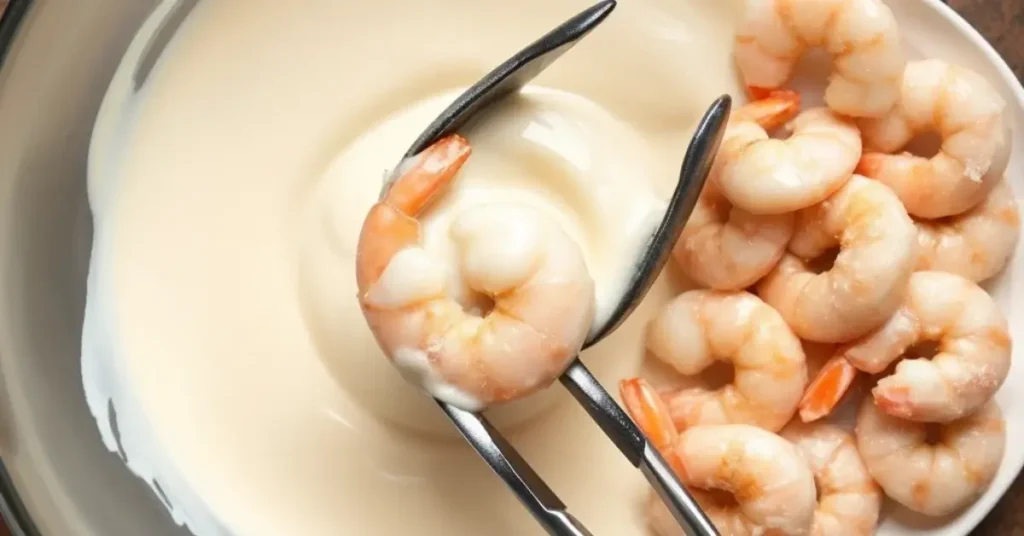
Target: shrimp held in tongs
(967, 113)
(861, 36)
(771, 485)
(970, 364)
(542, 293)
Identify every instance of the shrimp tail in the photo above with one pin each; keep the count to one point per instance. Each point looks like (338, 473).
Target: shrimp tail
(871, 165)
(827, 389)
(772, 109)
(647, 409)
(758, 93)
(427, 175)
(391, 224)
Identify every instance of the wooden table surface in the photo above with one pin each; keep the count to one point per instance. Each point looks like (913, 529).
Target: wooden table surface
(1002, 23)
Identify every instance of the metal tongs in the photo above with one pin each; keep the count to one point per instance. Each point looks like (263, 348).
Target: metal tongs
(531, 490)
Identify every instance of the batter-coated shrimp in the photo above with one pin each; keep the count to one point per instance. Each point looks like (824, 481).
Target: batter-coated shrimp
(771, 483)
(542, 292)
(861, 36)
(727, 248)
(701, 326)
(970, 364)
(763, 175)
(932, 477)
(848, 498)
(976, 244)
(866, 283)
(967, 112)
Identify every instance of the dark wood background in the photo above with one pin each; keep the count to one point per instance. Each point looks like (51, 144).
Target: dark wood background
(1002, 22)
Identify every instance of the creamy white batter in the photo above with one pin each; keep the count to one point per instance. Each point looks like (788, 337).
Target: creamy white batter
(228, 193)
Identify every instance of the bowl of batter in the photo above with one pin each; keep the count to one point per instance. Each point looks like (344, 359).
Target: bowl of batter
(182, 350)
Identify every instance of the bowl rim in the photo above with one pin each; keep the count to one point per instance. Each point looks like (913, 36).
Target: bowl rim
(13, 510)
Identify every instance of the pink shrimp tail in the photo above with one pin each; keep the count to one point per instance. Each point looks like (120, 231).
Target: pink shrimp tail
(870, 165)
(647, 409)
(391, 224)
(772, 108)
(827, 389)
(431, 171)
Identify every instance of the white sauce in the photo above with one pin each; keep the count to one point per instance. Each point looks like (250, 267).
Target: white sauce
(228, 193)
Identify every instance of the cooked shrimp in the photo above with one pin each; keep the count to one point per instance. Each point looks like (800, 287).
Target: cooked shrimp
(861, 36)
(967, 113)
(727, 248)
(866, 283)
(701, 326)
(932, 477)
(763, 175)
(848, 498)
(970, 364)
(542, 292)
(770, 483)
(976, 244)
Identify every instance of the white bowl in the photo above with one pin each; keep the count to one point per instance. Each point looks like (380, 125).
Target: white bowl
(57, 70)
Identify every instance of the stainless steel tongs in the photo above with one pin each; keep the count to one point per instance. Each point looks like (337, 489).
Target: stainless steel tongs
(531, 490)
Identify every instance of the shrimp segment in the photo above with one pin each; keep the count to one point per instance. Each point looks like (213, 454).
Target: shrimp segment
(971, 362)
(867, 281)
(727, 248)
(766, 176)
(861, 36)
(933, 478)
(699, 327)
(770, 482)
(976, 244)
(967, 112)
(849, 500)
(543, 295)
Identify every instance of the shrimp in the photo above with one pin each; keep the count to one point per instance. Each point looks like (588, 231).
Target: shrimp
(700, 326)
(967, 113)
(722, 246)
(861, 36)
(763, 175)
(971, 362)
(865, 285)
(771, 485)
(543, 295)
(936, 477)
(976, 244)
(849, 500)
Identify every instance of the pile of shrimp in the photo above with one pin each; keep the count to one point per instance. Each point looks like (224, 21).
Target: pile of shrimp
(910, 239)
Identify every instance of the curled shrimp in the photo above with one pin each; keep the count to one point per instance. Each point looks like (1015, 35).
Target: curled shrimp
(967, 113)
(971, 362)
(849, 500)
(861, 36)
(699, 327)
(725, 247)
(543, 295)
(763, 175)
(866, 283)
(976, 244)
(938, 477)
(771, 486)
